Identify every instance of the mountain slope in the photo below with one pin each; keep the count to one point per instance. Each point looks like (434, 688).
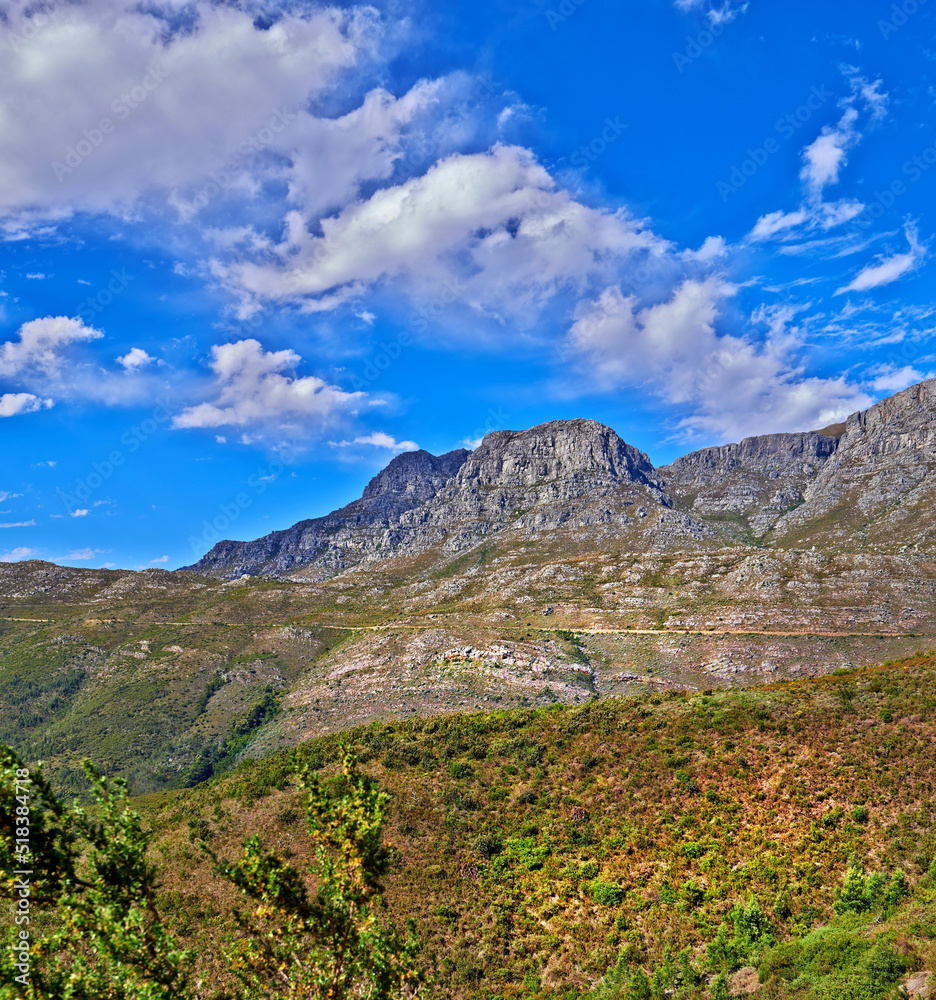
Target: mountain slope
(562, 474)
(878, 488)
(748, 486)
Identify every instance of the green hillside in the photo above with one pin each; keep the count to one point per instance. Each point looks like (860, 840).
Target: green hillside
(541, 850)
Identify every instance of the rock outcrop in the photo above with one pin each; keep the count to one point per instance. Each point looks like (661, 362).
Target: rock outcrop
(562, 474)
(864, 482)
(748, 486)
(340, 539)
(877, 488)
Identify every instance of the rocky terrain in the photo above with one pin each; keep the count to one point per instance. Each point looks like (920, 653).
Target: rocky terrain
(549, 565)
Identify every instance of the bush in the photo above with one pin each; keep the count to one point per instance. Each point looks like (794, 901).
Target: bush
(606, 893)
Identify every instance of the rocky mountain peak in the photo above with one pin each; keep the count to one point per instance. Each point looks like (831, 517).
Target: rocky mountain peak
(415, 475)
(559, 449)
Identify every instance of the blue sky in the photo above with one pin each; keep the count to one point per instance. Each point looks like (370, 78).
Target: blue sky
(252, 252)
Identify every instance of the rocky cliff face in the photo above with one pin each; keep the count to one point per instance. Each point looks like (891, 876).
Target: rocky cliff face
(877, 488)
(748, 486)
(340, 539)
(866, 482)
(563, 474)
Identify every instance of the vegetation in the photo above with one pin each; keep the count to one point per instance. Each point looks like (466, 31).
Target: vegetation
(643, 847)
(88, 923)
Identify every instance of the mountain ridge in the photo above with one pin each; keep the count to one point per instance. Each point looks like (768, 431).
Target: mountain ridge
(579, 474)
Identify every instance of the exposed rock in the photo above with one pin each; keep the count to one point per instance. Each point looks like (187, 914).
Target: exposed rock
(876, 487)
(562, 474)
(750, 484)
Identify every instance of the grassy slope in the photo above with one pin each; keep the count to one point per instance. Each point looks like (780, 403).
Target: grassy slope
(509, 827)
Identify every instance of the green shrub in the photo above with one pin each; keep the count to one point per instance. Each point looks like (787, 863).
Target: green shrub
(606, 893)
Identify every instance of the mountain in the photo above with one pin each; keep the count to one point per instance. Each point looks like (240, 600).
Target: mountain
(865, 482)
(562, 474)
(877, 491)
(330, 544)
(750, 485)
(549, 565)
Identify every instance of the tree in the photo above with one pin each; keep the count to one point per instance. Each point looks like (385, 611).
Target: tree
(89, 927)
(329, 945)
(106, 938)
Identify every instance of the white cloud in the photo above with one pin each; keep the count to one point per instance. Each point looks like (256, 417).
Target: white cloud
(159, 559)
(37, 276)
(19, 524)
(8, 496)
(79, 555)
(80, 512)
(825, 156)
(776, 222)
(17, 554)
(135, 359)
(14, 403)
(252, 392)
(41, 343)
(492, 226)
(713, 248)
(890, 379)
(887, 269)
(733, 385)
(178, 101)
(220, 438)
(378, 440)
(722, 14)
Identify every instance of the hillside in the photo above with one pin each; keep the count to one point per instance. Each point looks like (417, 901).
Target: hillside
(538, 849)
(553, 565)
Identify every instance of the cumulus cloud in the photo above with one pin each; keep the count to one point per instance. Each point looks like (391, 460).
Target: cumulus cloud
(135, 359)
(734, 385)
(888, 269)
(252, 392)
(80, 512)
(493, 225)
(14, 403)
(378, 440)
(41, 344)
(159, 559)
(144, 102)
(17, 554)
